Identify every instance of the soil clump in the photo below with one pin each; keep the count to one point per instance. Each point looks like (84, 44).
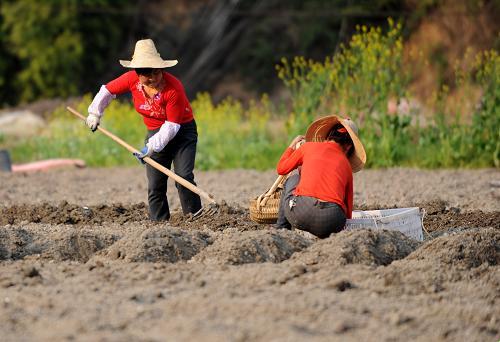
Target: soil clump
(235, 247)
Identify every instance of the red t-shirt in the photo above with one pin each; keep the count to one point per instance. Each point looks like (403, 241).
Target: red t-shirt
(325, 174)
(171, 104)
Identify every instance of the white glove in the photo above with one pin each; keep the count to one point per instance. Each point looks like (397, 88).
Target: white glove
(166, 133)
(93, 121)
(96, 109)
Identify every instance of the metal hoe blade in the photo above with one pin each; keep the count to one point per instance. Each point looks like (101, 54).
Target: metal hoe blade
(210, 210)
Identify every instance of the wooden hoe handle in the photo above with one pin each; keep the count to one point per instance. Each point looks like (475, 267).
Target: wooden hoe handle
(151, 162)
(277, 182)
(262, 199)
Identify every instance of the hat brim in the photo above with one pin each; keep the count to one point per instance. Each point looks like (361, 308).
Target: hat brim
(160, 64)
(318, 132)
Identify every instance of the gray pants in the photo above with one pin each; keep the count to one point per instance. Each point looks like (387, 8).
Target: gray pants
(308, 213)
(181, 150)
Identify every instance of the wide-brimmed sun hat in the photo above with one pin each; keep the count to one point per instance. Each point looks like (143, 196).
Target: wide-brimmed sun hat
(319, 129)
(146, 56)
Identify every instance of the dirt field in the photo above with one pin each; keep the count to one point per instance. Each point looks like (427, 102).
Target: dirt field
(80, 261)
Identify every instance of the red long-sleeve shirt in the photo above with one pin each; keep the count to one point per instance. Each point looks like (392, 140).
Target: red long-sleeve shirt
(171, 104)
(325, 174)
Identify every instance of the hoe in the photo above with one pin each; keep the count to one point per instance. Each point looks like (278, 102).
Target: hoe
(213, 206)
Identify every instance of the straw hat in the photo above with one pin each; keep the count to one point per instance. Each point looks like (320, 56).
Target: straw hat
(319, 129)
(146, 56)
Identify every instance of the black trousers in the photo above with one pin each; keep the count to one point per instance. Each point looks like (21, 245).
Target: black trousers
(181, 150)
(308, 213)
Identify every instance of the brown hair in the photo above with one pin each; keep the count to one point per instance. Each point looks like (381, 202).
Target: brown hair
(339, 134)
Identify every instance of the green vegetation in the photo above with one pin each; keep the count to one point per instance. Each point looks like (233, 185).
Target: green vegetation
(69, 47)
(229, 136)
(66, 137)
(369, 74)
(37, 39)
(366, 80)
(233, 137)
(49, 47)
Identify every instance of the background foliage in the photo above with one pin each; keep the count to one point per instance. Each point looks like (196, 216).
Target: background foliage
(69, 47)
(367, 79)
(57, 48)
(368, 74)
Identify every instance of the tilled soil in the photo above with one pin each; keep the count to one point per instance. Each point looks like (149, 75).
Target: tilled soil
(80, 260)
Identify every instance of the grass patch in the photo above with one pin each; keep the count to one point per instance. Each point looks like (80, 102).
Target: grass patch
(68, 137)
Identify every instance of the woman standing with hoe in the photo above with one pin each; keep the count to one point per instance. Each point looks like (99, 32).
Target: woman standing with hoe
(171, 129)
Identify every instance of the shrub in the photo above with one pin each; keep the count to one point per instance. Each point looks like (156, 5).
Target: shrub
(368, 74)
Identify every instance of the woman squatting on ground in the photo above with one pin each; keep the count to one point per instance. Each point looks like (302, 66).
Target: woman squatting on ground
(171, 129)
(318, 196)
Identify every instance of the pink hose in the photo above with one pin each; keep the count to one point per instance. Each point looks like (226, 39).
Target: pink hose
(44, 165)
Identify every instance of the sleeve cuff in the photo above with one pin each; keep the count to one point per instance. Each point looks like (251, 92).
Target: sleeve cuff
(166, 133)
(100, 102)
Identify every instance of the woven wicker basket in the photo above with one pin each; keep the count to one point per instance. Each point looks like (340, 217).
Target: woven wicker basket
(264, 209)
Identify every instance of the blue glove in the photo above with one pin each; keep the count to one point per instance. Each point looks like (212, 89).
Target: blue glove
(145, 152)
